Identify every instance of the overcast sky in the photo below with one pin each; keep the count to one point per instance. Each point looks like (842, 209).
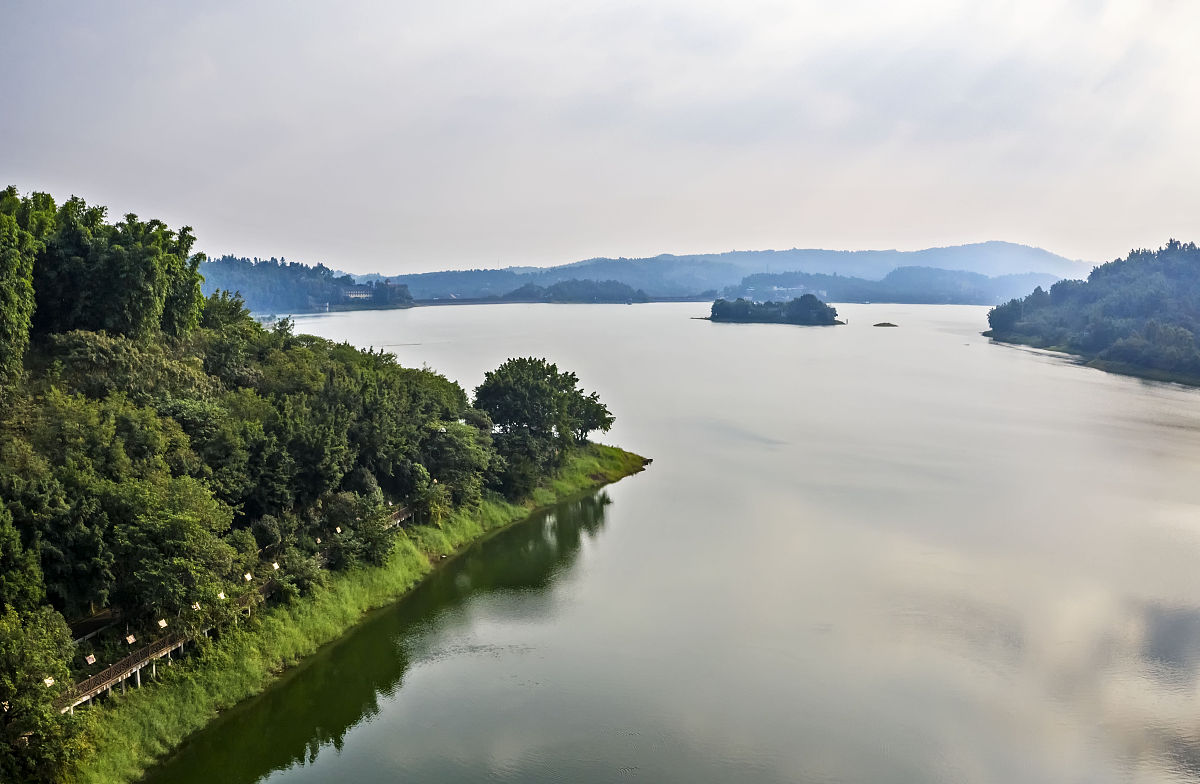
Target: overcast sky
(401, 137)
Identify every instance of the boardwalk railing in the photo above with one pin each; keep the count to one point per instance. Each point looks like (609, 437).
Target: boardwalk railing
(131, 665)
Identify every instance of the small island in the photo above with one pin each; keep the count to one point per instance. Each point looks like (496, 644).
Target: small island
(884, 324)
(805, 311)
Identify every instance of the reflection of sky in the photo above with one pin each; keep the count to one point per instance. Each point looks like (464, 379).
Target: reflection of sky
(860, 555)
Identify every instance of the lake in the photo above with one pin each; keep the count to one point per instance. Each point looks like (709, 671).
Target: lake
(860, 555)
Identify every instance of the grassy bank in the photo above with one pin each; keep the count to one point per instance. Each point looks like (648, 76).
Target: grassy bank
(124, 736)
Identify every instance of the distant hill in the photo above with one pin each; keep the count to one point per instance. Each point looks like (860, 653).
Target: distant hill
(1140, 314)
(675, 276)
(925, 285)
(279, 286)
(577, 291)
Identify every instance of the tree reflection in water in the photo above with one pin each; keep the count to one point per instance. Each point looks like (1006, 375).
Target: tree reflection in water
(315, 705)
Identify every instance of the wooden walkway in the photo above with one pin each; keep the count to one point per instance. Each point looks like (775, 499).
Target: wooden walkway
(132, 665)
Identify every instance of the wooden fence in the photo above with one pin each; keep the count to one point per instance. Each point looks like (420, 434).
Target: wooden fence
(131, 666)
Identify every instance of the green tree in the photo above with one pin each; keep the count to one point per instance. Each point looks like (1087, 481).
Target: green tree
(21, 585)
(587, 413)
(35, 646)
(35, 739)
(18, 248)
(132, 278)
(455, 455)
(539, 412)
(168, 547)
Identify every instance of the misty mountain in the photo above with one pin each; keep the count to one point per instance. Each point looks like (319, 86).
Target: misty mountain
(675, 276)
(925, 285)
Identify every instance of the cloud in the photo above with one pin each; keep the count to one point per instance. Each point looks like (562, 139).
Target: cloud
(381, 136)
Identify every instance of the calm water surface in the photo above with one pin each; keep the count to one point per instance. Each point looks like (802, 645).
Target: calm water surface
(861, 555)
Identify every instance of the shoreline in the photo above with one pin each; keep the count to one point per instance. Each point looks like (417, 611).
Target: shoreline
(1106, 366)
(125, 737)
(438, 303)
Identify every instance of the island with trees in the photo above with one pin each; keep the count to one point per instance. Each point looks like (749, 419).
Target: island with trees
(1138, 315)
(805, 310)
(169, 465)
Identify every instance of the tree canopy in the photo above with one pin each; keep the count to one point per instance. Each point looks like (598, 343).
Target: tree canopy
(539, 412)
(1141, 312)
(806, 310)
(156, 445)
(281, 286)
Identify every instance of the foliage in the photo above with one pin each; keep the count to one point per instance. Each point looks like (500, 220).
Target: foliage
(157, 445)
(133, 277)
(18, 248)
(1140, 313)
(35, 647)
(805, 310)
(539, 412)
(281, 286)
(35, 740)
(143, 725)
(21, 585)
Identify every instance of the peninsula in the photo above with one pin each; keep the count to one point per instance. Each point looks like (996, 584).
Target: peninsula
(1139, 315)
(175, 476)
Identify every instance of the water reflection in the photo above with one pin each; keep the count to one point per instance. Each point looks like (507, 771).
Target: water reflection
(861, 555)
(314, 707)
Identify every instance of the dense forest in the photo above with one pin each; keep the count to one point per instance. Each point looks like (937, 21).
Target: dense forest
(162, 453)
(1140, 313)
(277, 286)
(806, 310)
(916, 285)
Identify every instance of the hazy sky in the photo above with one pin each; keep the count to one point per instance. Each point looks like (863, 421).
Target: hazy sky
(398, 136)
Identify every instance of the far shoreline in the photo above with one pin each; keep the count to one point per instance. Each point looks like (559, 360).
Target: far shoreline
(1095, 363)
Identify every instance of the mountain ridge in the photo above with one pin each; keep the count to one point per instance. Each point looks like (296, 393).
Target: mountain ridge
(670, 274)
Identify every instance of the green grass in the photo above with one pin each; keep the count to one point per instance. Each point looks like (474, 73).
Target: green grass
(126, 734)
